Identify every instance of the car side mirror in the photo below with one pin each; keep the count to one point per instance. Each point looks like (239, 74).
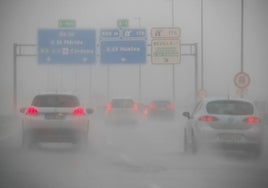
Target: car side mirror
(186, 114)
(89, 111)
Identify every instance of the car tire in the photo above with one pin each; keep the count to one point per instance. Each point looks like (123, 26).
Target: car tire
(82, 141)
(256, 151)
(27, 140)
(194, 146)
(189, 147)
(185, 142)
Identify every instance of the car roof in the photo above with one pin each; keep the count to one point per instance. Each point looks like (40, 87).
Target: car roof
(161, 100)
(57, 93)
(123, 98)
(206, 100)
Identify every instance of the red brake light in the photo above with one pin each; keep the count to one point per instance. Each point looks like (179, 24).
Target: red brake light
(32, 111)
(208, 118)
(170, 106)
(109, 107)
(79, 111)
(252, 119)
(135, 107)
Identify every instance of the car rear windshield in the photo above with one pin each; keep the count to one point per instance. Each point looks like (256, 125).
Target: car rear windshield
(64, 101)
(161, 103)
(122, 103)
(229, 107)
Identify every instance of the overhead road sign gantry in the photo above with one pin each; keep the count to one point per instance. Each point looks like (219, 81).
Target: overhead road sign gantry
(165, 32)
(134, 34)
(123, 46)
(123, 52)
(122, 23)
(66, 46)
(165, 51)
(66, 23)
(165, 45)
(110, 34)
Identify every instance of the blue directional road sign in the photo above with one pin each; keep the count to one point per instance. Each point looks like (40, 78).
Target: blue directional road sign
(123, 51)
(65, 46)
(108, 34)
(134, 33)
(123, 46)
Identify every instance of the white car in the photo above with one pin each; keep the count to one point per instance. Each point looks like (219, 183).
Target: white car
(122, 110)
(55, 118)
(225, 123)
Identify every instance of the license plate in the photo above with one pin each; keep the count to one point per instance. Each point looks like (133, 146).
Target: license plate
(230, 137)
(54, 116)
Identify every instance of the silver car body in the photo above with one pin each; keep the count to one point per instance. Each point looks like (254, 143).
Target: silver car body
(59, 119)
(217, 122)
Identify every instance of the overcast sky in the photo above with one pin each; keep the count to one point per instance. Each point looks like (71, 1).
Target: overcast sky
(21, 19)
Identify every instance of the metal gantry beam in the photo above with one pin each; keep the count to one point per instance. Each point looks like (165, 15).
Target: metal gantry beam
(29, 50)
(242, 35)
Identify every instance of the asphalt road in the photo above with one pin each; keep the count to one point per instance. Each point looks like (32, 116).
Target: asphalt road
(147, 155)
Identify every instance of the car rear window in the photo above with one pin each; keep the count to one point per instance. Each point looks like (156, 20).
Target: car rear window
(161, 103)
(122, 103)
(64, 101)
(230, 107)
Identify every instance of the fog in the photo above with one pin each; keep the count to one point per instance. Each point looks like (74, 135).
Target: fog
(20, 21)
(150, 153)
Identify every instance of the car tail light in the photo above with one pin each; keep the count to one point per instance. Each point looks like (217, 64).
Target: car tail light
(208, 118)
(170, 106)
(109, 107)
(135, 107)
(79, 111)
(32, 111)
(252, 120)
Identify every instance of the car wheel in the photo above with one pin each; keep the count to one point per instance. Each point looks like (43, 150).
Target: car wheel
(82, 141)
(185, 142)
(27, 140)
(194, 147)
(189, 147)
(256, 151)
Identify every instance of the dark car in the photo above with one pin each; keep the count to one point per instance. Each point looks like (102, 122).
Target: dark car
(160, 109)
(55, 118)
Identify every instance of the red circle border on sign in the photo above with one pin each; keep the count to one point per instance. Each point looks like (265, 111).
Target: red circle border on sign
(237, 82)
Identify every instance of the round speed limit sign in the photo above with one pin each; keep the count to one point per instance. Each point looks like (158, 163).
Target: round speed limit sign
(242, 80)
(202, 93)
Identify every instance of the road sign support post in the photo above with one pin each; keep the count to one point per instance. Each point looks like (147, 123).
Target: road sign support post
(19, 50)
(15, 76)
(166, 49)
(140, 73)
(196, 71)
